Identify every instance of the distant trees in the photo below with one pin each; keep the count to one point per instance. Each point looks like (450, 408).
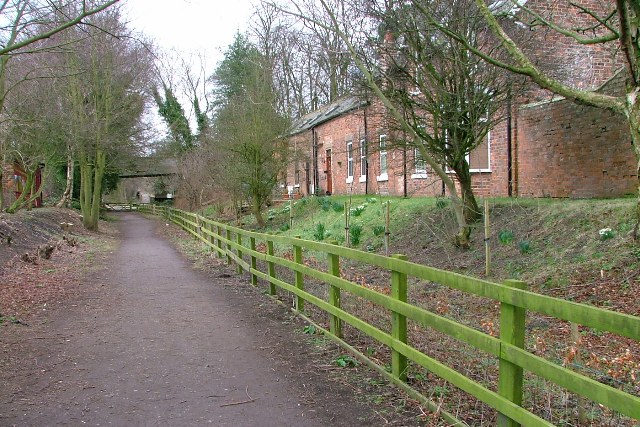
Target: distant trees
(310, 65)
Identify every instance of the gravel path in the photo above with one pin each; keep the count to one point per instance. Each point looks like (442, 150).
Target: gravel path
(155, 342)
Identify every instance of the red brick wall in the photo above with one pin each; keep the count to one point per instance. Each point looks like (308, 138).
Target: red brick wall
(578, 65)
(567, 150)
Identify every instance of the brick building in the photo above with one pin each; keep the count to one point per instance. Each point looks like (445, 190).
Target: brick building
(546, 147)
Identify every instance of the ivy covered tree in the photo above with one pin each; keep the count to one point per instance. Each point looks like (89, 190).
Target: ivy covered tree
(171, 111)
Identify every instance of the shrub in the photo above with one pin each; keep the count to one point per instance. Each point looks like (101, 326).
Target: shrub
(606, 233)
(505, 237)
(319, 233)
(354, 232)
(524, 246)
(358, 210)
(338, 207)
(378, 230)
(324, 203)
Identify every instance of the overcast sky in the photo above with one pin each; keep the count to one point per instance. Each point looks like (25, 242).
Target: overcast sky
(191, 26)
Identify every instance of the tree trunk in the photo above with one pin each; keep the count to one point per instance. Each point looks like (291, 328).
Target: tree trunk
(256, 207)
(469, 203)
(91, 189)
(20, 201)
(65, 200)
(466, 207)
(634, 129)
(1, 185)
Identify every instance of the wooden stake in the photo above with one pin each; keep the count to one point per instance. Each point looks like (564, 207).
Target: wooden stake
(487, 234)
(346, 225)
(291, 212)
(386, 229)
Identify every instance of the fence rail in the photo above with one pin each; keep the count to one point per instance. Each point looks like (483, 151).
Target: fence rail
(239, 247)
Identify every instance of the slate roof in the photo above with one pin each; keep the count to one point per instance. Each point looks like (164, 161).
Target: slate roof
(326, 113)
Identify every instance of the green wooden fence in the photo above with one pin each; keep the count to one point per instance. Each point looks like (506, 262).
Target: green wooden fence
(239, 247)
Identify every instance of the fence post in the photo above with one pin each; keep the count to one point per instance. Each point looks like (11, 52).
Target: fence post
(209, 227)
(512, 323)
(299, 280)
(399, 322)
(333, 267)
(239, 251)
(271, 268)
(228, 249)
(218, 241)
(254, 264)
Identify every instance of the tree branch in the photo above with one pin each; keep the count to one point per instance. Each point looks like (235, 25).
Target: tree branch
(85, 13)
(613, 35)
(527, 68)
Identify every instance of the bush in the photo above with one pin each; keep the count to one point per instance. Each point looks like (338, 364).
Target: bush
(319, 233)
(357, 211)
(354, 232)
(324, 203)
(505, 237)
(378, 230)
(524, 246)
(338, 207)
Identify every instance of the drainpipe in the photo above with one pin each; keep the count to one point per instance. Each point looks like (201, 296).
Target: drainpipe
(366, 152)
(509, 148)
(314, 143)
(404, 170)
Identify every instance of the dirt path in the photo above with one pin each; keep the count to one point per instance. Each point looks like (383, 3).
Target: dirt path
(154, 342)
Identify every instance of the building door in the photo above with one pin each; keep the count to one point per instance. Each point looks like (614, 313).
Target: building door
(328, 172)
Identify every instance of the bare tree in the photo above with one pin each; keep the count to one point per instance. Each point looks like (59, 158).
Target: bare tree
(449, 97)
(613, 25)
(311, 65)
(105, 99)
(417, 127)
(25, 24)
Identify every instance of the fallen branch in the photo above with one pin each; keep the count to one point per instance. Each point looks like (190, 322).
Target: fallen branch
(251, 399)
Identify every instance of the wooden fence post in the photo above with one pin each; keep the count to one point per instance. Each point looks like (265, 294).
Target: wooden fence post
(512, 328)
(239, 251)
(228, 249)
(398, 321)
(387, 232)
(347, 240)
(254, 264)
(299, 280)
(487, 240)
(218, 241)
(271, 268)
(333, 267)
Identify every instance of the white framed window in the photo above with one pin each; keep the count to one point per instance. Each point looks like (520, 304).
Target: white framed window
(349, 161)
(420, 165)
(479, 158)
(383, 159)
(363, 160)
